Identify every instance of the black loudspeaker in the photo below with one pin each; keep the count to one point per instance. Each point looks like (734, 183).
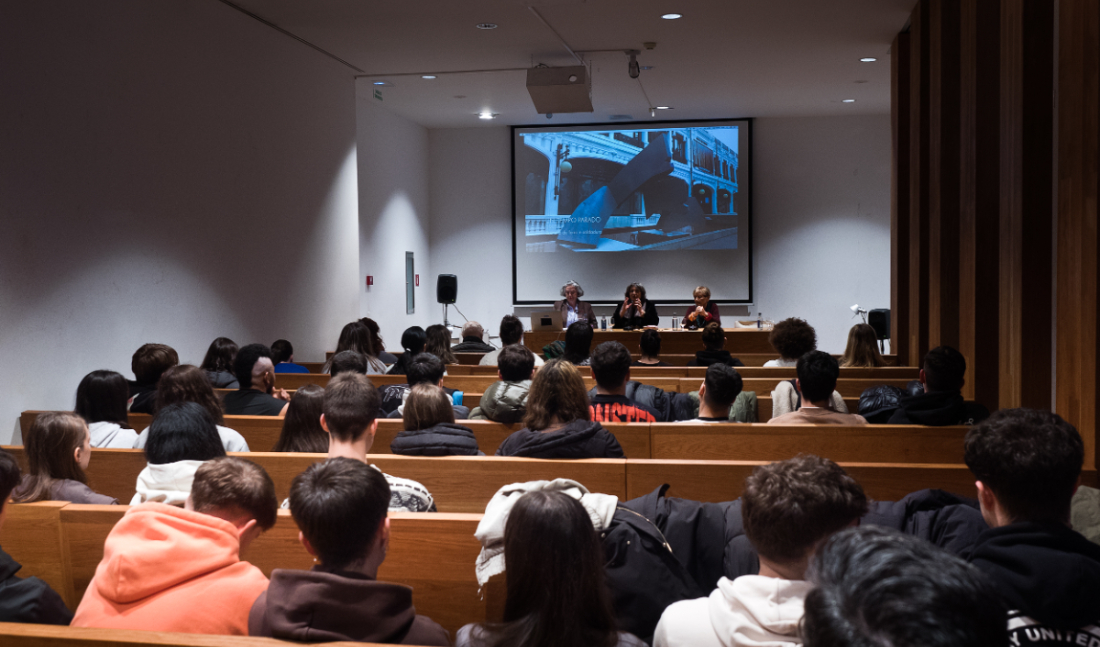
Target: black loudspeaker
(879, 319)
(446, 288)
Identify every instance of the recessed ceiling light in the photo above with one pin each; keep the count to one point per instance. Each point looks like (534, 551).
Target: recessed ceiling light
(664, 107)
(428, 76)
(672, 16)
(486, 25)
(485, 114)
(848, 101)
(868, 59)
(380, 83)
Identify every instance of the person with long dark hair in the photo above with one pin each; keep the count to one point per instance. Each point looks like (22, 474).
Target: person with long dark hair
(636, 311)
(376, 340)
(557, 589)
(218, 364)
(181, 438)
(58, 451)
(101, 401)
(413, 341)
(302, 431)
(439, 343)
(357, 337)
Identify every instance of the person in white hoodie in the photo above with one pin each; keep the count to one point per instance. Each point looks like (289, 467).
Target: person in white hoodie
(788, 509)
(181, 438)
(101, 400)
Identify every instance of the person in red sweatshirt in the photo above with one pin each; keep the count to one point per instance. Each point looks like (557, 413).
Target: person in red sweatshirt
(179, 569)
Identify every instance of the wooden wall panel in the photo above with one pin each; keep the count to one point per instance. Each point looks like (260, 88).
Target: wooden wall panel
(918, 183)
(899, 203)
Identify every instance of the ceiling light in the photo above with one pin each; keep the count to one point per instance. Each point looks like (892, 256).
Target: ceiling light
(664, 107)
(672, 16)
(848, 101)
(868, 59)
(486, 25)
(485, 114)
(380, 83)
(428, 76)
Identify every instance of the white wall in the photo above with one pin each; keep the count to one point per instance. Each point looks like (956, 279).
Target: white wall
(820, 207)
(169, 171)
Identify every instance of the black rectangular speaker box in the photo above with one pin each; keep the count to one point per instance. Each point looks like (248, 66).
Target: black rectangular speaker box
(879, 319)
(446, 288)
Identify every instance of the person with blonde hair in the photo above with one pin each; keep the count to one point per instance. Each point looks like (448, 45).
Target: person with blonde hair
(703, 312)
(862, 349)
(58, 447)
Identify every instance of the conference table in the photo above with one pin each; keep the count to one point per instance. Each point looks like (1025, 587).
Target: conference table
(673, 342)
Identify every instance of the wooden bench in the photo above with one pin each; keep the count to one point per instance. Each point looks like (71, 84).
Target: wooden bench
(787, 372)
(14, 634)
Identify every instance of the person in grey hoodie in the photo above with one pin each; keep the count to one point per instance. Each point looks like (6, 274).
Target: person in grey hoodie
(340, 507)
(506, 401)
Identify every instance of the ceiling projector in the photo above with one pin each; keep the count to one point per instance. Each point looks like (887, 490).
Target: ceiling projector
(560, 89)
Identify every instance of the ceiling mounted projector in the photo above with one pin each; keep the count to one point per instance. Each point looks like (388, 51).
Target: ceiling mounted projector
(560, 89)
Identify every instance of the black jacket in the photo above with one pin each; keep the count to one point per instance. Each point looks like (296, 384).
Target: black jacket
(28, 600)
(577, 439)
(938, 409)
(444, 439)
(651, 318)
(648, 395)
(720, 356)
(472, 345)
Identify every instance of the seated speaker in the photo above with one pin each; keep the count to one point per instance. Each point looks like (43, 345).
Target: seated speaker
(446, 288)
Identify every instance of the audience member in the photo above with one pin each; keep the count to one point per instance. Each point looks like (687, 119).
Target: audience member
(302, 430)
(786, 398)
(424, 368)
(58, 451)
(1028, 464)
(23, 599)
(350, 416)
(101, 401)
(862, 349)
(356, 336)
(877, 587)
(787, 509)
(558, 419)
(611, 368)
(180, 439)
(282, 353)
(942, 376)
(340, 508)
(817, 375)
(473, 340)
(148, 364)
(179, 569)
(714, 352)
(511, 334)
(218, 364)
(257, 395)
(791, 338)
(188, 384)
(348, 361)
(704, 311)
(439, 343)
(413, 341)
(376, 342)
(506, 400)
(557, 588)
(578, 343)
(650, 346)
(717, 393)
(430, 428)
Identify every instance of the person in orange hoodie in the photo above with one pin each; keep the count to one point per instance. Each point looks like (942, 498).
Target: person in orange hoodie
(170, 569)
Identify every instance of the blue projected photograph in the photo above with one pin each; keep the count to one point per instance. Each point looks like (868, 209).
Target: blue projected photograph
(630, 190)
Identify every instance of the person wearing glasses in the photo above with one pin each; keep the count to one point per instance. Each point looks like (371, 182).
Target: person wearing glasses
(636, 311)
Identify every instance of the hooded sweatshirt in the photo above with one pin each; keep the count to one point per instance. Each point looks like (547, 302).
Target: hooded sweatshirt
(444, 439)
(111, 435)
(938, 409)
(1049, 577)
(28, 599)
(165, 483)
(577, 439)
(751, 611)
(169, 569)
(322, 605)
(719, 356)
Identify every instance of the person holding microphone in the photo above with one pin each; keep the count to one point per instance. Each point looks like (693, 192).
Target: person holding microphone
(636, 311)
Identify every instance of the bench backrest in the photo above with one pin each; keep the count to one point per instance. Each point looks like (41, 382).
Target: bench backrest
(14, 634)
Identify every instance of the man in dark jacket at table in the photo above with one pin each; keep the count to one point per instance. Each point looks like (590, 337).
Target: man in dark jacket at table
(941, 404)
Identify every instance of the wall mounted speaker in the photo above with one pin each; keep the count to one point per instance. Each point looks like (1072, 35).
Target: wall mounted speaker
(446, 288)
(879, 319)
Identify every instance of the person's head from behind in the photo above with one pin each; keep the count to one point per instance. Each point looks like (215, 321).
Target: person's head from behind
(220, 355)
(1027, 463)
(557, 396)
(862, 349)
(151, 361)
(10, 475)
(282, 351)
(578, 341)
(943, 370)
(714, 338)
(515, 363)
(424, 368)
(57, 447)
(650, 343)
(340, 507)
(350, 408)
(355, 336)
(426, 407)
(791, 506)
(473, 330)
(438, 341)
(375, 335)
(187, 383)
(348, 361)
(102, 396)
(817, 375)
(721, 386)
(792, 338)
(511, 330)
(413, 340)
(302, 431)
(611, 365)
(254, 367)
(237, 491)
(876, 587)
(183, 431)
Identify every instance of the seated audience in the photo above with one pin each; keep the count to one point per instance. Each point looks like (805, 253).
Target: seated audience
(787, 509)
(942, 376)
(714, 352)
(347, 360)
(717, 393)
(506, 401)
(181, 438)
(578, 343)
(413, 341)
(179, 569)
(511, 334)
(786, 398)
(862, 349)
(817, 375)
(58, 451)
(350, 416)
(650, 346)
(302, 430)
(282, 353)
(439, 343)
(1028, 464)
(558, 419)
(101, 401)
(257, 395)
(356, 336)
(636, 311)
(557, 588)
(148, 364)
(188, 384)
(430, 428)
(703, 312)
(877, 587)
(218, 364)
(376, 342)
(340, 507)
(791, 338)
(571, 307)
(23, 599)
(473, 340)
(424, 368)
(611, 368)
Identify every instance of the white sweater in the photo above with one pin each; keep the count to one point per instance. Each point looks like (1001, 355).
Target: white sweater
(751, 611)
